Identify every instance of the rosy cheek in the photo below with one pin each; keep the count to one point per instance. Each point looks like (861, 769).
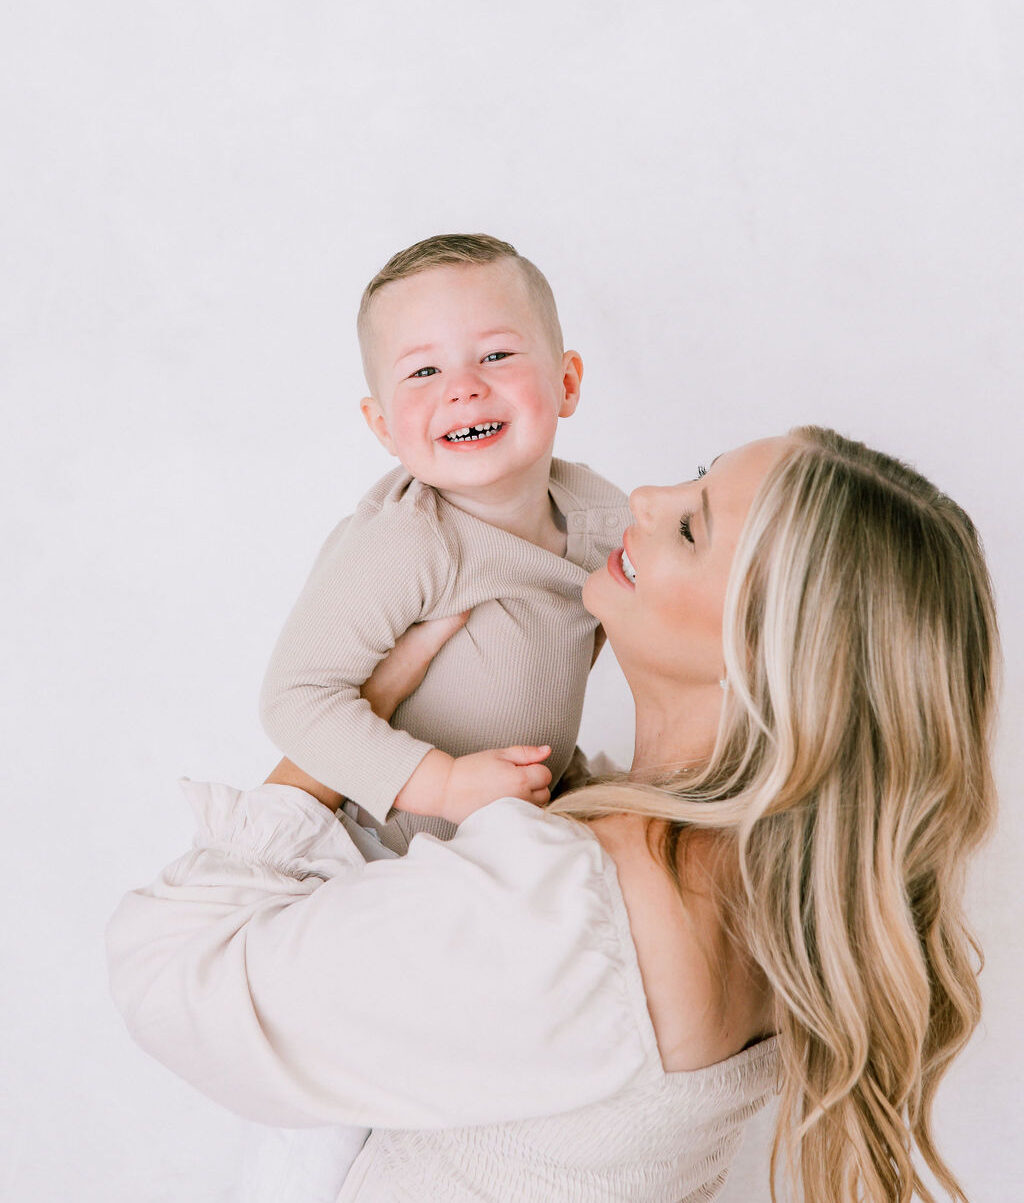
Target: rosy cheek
(683, 605)
(405, 422)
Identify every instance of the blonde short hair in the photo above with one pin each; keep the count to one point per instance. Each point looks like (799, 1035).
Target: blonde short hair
(454, 250)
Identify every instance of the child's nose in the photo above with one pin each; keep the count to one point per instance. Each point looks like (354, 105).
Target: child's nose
(468, 386)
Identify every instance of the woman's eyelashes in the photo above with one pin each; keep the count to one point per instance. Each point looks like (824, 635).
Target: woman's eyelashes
(684, 527)
(684, 522)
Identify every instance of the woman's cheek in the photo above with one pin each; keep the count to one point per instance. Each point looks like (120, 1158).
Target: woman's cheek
(684, 610)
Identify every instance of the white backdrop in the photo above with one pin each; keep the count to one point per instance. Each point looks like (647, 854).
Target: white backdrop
(752, 214)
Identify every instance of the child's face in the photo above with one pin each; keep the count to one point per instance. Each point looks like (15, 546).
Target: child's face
(458, 347)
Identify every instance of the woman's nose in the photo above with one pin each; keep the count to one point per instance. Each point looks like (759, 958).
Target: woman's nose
(641, 503)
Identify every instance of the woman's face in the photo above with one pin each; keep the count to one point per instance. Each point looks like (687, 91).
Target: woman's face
(662, 605)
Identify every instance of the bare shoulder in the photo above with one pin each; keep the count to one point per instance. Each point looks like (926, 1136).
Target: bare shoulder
(621, 836)
(706, 999)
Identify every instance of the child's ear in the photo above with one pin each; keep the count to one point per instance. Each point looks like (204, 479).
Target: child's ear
(378, 423)
(572, 376)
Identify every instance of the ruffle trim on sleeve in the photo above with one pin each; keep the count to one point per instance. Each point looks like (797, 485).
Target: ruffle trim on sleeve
(278, 826)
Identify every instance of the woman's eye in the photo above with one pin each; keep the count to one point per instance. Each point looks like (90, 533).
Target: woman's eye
(422, 373)
(684, 527)
(496, 355)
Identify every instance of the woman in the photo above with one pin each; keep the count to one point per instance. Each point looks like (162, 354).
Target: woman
(580, 1002)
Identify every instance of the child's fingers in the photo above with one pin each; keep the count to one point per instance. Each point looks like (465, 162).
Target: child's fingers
(525, 754)
(536, 778)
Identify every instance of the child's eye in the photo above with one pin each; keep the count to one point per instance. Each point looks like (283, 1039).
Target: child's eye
(684, 527)
(496, 355)
(422, 373)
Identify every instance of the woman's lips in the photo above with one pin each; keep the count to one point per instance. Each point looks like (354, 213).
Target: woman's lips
(615, 569)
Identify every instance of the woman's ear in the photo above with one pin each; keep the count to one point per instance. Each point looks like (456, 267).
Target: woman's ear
(572, 375)
(378, 423)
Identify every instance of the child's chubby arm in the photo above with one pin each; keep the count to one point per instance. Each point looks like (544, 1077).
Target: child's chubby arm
(443, 785)
(379, 573)
(450, 787)
(447, 786)
(454, 787)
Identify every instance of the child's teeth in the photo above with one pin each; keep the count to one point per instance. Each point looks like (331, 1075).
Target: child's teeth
(628, 571)
(469, 433)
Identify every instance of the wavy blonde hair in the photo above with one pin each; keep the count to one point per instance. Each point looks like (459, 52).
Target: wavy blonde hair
(852, 774)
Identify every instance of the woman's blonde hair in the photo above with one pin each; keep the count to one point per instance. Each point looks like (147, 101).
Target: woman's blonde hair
(852, 770)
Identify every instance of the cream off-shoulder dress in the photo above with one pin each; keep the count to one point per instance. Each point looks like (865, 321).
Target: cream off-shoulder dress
(477, 1003)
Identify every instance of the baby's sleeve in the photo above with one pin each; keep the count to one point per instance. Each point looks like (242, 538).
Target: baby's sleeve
(380, 572)
(486, 979)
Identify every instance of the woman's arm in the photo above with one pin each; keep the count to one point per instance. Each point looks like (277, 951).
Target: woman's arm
(486, 979)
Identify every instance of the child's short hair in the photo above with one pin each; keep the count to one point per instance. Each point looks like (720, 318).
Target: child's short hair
(450, 250)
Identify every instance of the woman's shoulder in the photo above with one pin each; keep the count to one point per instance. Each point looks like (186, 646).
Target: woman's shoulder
(707, 999)
(603, 888)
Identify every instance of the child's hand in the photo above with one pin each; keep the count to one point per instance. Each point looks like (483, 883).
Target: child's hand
(502, 773)
(455, 787)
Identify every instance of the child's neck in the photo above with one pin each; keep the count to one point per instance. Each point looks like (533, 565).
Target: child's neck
(522, 506)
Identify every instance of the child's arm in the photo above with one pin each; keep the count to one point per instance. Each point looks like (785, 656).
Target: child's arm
(454, 787)
(332, 614)
(447, 786)
(378, 573)
(395, 677)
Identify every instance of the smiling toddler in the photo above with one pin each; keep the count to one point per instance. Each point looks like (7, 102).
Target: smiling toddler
(468, 379)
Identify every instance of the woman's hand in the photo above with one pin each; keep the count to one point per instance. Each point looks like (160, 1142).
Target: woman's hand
(402, 670)
(399, 674)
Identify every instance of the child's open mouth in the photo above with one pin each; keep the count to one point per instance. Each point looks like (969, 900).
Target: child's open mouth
(473, 434)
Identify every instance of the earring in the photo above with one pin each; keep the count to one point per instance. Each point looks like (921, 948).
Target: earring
(724, 683)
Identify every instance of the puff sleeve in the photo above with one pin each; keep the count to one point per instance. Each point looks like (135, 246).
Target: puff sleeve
(485, 979)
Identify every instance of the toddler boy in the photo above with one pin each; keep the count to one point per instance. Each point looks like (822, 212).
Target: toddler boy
(463, 356)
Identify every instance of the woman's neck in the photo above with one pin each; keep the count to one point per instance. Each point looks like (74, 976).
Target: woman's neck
(675, 727)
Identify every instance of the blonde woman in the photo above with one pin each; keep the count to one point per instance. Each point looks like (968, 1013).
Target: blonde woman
(587, 1002)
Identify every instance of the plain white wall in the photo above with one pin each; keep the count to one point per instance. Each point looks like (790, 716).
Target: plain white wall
(752, 214)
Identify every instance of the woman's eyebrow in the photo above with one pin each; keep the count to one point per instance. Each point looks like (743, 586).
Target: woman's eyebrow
(706, 511)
